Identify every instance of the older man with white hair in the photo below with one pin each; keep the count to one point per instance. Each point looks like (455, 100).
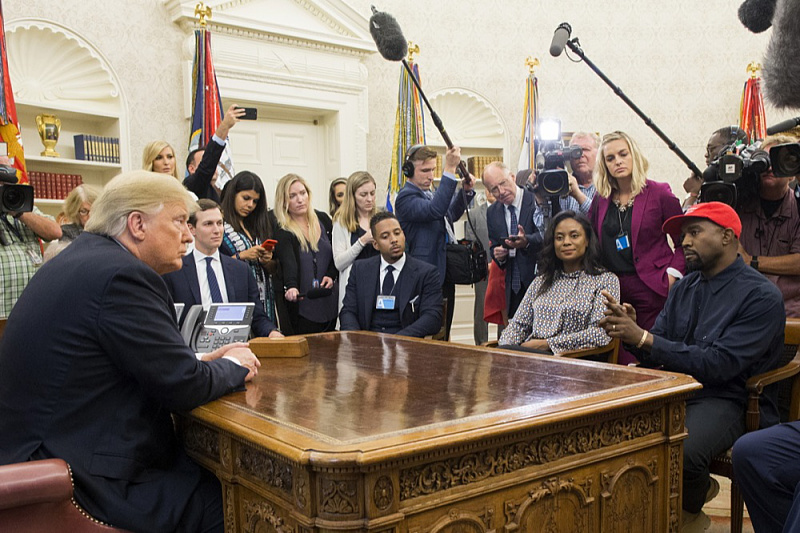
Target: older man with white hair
(92, 364)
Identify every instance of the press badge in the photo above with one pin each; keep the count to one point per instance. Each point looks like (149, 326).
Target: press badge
(623, 242)
(384, 302)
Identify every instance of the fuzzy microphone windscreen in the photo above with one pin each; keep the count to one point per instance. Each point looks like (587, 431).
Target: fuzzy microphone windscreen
(756, 15)
(781, 65)
(388, 36)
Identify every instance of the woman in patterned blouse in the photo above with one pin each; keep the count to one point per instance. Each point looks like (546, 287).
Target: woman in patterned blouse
(563, 305)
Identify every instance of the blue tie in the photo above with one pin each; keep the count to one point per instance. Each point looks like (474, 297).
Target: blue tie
(388, 281)
(213, 284)
(516, 283)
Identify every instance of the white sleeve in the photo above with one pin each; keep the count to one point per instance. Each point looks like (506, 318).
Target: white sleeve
(343, 253)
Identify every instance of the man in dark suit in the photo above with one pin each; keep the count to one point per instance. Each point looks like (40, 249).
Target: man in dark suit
(426, 217)
(201, 163)
(515, 241)
(92, 363)
(392, 292)
(210, 277)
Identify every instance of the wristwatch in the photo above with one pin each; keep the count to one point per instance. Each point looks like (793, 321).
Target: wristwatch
(754, 262)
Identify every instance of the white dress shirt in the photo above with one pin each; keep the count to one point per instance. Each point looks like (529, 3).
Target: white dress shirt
(216, 265)
(398, 266)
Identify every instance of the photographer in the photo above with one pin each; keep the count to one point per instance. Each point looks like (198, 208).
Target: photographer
(581, 184)
(21, 250)
(770, 240)
(720, 139)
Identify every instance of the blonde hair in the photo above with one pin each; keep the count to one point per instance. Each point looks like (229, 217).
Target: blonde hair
(286, 221)
(604, 182)
(347, 215)
(151, 151)
(138, 190)
(74, 201)
(773, 140)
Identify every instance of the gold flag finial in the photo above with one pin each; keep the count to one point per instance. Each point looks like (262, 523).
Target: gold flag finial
(202, 12)
(754, 68)
(412, 49)
(531, 63)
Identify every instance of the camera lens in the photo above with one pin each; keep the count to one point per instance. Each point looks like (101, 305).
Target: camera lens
(785, 160)
(16, 198)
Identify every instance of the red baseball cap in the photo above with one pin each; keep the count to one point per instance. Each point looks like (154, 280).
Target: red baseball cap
(717, 212)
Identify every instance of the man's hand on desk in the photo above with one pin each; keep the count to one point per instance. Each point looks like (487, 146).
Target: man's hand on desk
(239, 351)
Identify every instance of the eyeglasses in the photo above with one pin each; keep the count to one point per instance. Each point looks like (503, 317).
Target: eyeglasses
(84, 212)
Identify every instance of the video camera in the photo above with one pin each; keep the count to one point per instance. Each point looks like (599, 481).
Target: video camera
(14, 198)
(551, 177)
(733, 177)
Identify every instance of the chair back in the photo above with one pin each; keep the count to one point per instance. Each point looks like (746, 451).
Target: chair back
(2, 326)
(788, 395)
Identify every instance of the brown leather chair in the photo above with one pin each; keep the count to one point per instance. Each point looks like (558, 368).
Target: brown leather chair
(602, 354)
(36, 497)
(787, 380)
(2, 326)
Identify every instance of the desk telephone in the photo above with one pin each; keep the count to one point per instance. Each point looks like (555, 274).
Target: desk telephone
(223, 324)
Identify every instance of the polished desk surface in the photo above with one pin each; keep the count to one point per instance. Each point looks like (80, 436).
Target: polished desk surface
(359, 396)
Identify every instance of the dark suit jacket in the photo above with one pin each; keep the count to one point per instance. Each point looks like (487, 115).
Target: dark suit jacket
(91, 365)
(422, 220)
(200, 182)
(239, 284)
(417, 279)
(652, 254)
(498, 231)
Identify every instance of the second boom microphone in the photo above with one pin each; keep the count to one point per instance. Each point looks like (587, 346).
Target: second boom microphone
(560, 38)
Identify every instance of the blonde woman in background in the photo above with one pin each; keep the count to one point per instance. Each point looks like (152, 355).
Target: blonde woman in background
(306, 256)
(77, 208)
(352, 238)
(159, 156)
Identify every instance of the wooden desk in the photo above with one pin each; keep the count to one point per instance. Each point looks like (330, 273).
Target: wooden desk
(389, 434)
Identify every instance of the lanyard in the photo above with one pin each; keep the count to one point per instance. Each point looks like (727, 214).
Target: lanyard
(13, 229)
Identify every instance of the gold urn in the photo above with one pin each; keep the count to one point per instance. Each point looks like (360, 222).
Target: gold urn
(49, 128)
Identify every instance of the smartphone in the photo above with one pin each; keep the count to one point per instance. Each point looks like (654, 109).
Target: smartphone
(250, 113)
(269, 244)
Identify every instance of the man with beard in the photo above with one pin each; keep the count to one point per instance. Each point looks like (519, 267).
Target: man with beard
(392, 292)
(722, 323)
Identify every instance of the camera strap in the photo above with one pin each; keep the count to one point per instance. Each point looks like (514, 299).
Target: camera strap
(13, 228)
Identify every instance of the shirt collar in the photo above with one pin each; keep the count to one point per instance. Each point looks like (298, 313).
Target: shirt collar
(718, 282)
(517, 203)
(200, 257)
(398, 265)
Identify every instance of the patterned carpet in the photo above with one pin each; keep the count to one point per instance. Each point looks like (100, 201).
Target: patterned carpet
(719, 510)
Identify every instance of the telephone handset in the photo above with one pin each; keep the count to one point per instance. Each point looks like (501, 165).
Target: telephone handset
(205, 331)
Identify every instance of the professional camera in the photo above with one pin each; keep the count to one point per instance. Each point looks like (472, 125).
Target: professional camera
(733, 177)
(551, 178)
(14, 198)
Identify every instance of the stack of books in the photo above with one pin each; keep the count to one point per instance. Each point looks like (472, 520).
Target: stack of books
(51, 186)
(96, 148)
(477, 163)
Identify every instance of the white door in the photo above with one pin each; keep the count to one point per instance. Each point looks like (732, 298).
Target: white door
(273, 148)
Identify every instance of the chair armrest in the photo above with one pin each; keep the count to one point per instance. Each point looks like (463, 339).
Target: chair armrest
(34, 482)
(756, 384)
(489, 344)
(612, 349)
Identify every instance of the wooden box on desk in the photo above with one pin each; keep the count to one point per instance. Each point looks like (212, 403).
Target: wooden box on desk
(264, 347)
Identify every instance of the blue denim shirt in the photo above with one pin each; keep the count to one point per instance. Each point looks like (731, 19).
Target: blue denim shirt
(721, 331)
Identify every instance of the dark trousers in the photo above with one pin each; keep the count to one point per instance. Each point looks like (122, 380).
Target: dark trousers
(514, 299)
(449, 292)
(480, 328)
(203, 513)
(766, 464)
(305, 326)
(646, 301)
(713, 424)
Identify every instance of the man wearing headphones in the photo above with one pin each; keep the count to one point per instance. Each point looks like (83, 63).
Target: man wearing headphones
(426, 216)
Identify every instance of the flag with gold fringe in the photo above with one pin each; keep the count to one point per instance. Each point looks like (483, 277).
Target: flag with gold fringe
(527, 154)
(752, 117)
(9, 125)
(206, 104)
(409, 128)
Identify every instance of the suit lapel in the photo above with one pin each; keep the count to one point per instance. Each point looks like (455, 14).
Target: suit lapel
(639, 208)
(371, 277)
(602, 209)
(230, 285)
(190, 270)
(405, 284)
(526, 210)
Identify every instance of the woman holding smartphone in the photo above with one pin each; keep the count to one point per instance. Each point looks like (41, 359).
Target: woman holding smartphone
(306, 258)
(248, 224)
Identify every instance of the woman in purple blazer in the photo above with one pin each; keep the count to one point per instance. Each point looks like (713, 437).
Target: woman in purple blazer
(627, 213)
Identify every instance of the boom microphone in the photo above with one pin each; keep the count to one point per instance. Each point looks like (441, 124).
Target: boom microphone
(756, 15)
(786, 125)
(781, 69)
(560, 37)
(387, 35)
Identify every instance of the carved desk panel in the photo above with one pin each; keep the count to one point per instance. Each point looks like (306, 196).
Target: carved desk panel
(388, 434)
